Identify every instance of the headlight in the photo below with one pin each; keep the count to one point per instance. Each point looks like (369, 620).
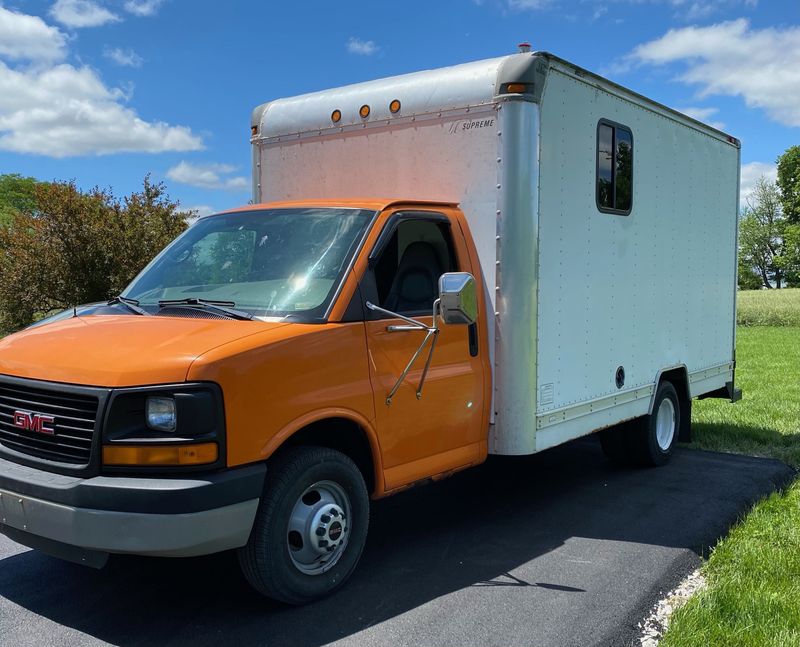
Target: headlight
(161, 414)
(169, 425)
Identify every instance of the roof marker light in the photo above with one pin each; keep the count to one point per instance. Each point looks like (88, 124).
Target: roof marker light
(394, 106)
(364, 111)
(336, 116)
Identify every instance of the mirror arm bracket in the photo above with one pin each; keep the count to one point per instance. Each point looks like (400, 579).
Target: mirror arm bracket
(432, 332)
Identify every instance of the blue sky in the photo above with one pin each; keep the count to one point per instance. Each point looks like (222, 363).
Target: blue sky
(105, 91)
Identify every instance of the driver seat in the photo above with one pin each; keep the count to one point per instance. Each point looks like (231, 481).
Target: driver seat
(414, 287)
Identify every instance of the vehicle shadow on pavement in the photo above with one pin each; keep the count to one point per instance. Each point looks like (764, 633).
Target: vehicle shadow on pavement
(477, 529)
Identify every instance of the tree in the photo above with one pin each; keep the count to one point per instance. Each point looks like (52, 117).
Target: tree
(17, 194)
(761, 234)
(749, 278)
(789, 183)
(79, 247)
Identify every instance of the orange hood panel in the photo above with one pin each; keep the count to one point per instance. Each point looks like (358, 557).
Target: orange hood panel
(117, 351)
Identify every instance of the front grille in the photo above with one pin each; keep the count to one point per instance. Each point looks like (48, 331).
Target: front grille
(73, 425)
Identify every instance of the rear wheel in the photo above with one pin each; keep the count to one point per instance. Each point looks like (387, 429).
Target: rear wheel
(310, 528)
(658, 433)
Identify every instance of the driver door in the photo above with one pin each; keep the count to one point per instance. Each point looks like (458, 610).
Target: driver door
(441, 430)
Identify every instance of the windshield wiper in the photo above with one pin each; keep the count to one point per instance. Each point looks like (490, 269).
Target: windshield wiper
(130, 304)
(225, 307)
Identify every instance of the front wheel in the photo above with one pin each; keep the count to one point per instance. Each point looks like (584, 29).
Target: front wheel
(310, 528)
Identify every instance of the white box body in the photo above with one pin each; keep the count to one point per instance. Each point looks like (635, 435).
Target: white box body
(575, 293)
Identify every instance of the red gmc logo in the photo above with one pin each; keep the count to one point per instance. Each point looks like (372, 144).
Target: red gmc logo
(37, 422)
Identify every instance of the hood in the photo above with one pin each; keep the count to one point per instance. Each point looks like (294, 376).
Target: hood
(119, 350)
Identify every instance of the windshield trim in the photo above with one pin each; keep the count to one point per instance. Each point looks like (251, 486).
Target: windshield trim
(351, 263)
(290, 317)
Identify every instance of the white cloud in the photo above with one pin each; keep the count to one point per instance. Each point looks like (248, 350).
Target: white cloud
(362, 47)
(208, 176)
(63, 111)
(750, 174)
(730, 58)
(704, 115)
(123, 57)
(81, 13)
(527, 5)
(60, 110)
(143, 7)
(29, 37)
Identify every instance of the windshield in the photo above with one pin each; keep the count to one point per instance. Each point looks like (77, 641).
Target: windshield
(275, 262)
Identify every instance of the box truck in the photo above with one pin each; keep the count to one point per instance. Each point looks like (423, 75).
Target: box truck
(495, 257)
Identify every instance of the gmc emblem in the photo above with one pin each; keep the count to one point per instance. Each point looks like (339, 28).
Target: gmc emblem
(37, 422)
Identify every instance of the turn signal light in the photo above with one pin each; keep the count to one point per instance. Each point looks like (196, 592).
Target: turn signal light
(200, 454)
(515, 88)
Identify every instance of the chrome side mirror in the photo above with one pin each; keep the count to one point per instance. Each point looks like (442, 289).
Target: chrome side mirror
(458, 298)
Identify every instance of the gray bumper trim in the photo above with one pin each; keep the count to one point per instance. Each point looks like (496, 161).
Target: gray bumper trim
(164, 535)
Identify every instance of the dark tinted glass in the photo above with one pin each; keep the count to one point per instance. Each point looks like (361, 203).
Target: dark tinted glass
(605, 160)
(623, 180)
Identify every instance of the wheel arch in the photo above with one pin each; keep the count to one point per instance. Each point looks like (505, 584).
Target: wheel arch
(340, 429)
(678, 376)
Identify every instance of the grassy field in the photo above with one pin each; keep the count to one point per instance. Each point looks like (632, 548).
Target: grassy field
(769, 307)
(753, 575)
(766, 422)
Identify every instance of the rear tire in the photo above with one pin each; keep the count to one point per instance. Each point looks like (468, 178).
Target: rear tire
(310, 528)
(655, 439)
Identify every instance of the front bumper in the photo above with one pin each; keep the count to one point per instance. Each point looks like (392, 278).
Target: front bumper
(84, 520)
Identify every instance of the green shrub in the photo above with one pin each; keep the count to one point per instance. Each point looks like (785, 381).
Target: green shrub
(79, 247)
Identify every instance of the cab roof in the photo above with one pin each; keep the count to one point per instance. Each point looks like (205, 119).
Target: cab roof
(371, 204)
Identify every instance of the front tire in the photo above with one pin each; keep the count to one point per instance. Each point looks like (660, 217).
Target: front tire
(310, 528)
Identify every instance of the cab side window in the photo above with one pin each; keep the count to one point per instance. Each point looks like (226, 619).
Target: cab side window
(408, 270)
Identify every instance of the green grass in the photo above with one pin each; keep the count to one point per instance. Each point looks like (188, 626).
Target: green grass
(768, 307)
(753, 575)
(753, 594)
(766, 422)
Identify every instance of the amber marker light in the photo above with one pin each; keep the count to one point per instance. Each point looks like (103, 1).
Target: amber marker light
(516, 87)
(254, 130)
(336, 116)
(364, 111)
(394, 106)
(160, 455)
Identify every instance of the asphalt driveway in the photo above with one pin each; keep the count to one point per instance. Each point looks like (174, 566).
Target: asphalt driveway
(560, 548)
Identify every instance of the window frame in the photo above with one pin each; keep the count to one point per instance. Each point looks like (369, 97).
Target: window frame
(390, 227)
(614, 125)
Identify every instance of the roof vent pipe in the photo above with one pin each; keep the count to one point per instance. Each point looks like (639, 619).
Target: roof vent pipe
(524, 48)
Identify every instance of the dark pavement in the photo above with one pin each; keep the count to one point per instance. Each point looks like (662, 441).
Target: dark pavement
(560, 548)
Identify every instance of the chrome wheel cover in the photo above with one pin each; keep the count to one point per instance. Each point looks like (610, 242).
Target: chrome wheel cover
(318, 530)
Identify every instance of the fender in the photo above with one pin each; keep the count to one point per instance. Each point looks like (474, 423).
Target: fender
(658, 379)
(286, 432)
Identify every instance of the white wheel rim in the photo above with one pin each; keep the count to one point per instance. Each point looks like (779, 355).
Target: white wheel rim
(665, 424)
